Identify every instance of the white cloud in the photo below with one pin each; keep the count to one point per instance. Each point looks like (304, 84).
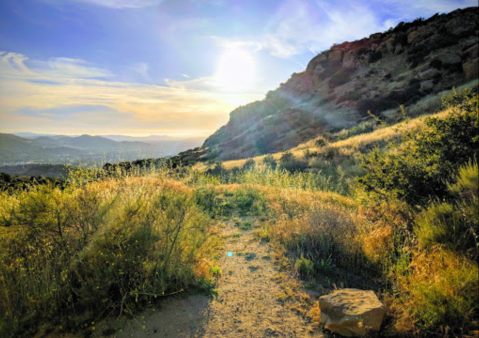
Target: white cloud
(196, 105)
(300, 26)
(121, 4)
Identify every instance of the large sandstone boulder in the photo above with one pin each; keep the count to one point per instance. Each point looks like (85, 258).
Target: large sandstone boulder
(351, 312)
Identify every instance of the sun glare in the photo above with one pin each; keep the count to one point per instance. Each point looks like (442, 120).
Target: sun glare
(236, 70)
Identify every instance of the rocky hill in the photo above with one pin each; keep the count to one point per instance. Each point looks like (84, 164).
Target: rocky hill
(406, 64)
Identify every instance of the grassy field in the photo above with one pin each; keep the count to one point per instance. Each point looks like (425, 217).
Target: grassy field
(402, 217)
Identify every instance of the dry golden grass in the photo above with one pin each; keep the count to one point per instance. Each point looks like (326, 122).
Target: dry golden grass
(346, 147)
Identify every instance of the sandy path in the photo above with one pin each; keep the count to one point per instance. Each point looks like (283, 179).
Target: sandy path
(247, 303)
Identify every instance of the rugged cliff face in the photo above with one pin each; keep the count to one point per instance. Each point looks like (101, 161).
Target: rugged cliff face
(340, 86)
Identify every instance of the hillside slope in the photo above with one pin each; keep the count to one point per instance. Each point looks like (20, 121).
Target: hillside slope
(339, 86)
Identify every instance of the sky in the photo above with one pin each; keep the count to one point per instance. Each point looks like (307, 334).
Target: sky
(167, 67)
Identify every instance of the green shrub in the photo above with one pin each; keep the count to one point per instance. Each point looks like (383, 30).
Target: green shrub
(466, 182)
(305, 267)
(443, 223)
(76, 254)
(249, 164)
(291, 163)
(437, 296)
(320, 142)
(454, 224)
(427, 160)
(270, 162)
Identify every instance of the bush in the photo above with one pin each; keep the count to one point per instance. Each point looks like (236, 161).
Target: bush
(428, 160)
(362, 128)
(325, 235)
(249, 164)
(290, 163)
(270, 162)
(437, 295)
(320, 142)
(442, 223)
(76, 254)
(454, 225)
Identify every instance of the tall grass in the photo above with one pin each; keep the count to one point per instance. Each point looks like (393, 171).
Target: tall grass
(71, 256)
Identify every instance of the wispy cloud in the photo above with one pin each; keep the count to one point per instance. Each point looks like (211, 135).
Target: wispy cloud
(38, 94)
(299, 26)
(115, 4)
(125, 4)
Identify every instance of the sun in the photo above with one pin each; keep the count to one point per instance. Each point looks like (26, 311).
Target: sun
(236, 70)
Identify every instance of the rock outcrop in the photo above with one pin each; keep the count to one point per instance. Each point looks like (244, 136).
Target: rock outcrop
(351, 312)
(340, 85)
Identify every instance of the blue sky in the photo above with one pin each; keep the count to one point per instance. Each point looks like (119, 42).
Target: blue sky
(177, 67)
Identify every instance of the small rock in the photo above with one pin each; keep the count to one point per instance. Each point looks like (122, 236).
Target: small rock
(351, 312)
(427, 85)
(429, 74)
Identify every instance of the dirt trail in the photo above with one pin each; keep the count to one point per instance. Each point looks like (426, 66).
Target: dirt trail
(246, 305)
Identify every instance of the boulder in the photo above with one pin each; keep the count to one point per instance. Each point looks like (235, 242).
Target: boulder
(427, 85)
(351, 312)
(429, 74)
(450, 58)
(471, 69)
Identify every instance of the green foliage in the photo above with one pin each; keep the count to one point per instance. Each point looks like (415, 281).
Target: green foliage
(249, 164)
(305, 267)
(76, 254)
(270, 162)
(428, 160)
(320, 142)
(362, 128)
(443, 223)
(438, 296)
(217, 170)
(466, 184)
(291, 163)
(454, 225)
(243, 225)
(250, 202)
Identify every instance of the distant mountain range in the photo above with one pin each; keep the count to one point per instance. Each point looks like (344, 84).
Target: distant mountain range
(118, 138)
(56, 149)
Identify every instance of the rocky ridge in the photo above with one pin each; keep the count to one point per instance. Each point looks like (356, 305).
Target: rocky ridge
(339, 86)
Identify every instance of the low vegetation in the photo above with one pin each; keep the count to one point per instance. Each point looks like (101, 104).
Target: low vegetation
(395, 209)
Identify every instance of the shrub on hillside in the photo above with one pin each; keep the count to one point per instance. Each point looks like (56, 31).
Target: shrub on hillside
(428, 160)
(291, 163)
(437, 295)
(249, 164)
(454, 224)
(270, 162)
